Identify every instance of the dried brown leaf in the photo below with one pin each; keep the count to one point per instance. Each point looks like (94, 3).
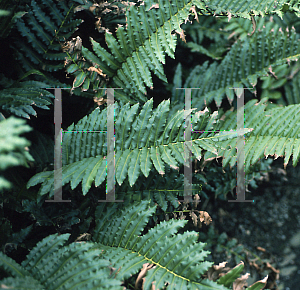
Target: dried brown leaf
(193, 8)
(143, 272)
(216, 271)
(239, 283)
(181, 34)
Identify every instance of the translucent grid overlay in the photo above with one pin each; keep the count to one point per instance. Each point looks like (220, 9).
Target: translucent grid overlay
(57, 148)
(188, 184)
(240, 145)
(110, 161)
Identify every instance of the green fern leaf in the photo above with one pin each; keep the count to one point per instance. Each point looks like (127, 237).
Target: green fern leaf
(274, 133)
(40, 26)
(134, 166)
(146, 164)
(19, 97)
(176, 259)
(19, 282)
(12, 266)
(157, 161)
(162, 143)
(53, 265)
(245, 63)
(122, 166)
(138, 49)
(258, 8)
(12, 146)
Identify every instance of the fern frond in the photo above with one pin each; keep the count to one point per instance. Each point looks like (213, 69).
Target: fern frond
(52, 265)
(136, 50)
(42, 26)
(177, 259)
(274, 133)
(143, 140)
(265, 7)
(20, 97)
(247, 61)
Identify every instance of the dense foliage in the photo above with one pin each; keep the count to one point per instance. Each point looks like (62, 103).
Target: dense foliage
(140, 243)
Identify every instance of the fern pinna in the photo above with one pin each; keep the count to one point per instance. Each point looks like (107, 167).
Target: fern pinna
(117, 252)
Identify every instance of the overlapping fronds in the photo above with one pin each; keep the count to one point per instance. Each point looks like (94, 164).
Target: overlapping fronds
(176, 259)
(247, 61)
(117, 252)
(137, 49)
(53, 265)
(164, 256)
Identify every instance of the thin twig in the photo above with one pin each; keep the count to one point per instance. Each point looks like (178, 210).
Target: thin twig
(254, 25)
